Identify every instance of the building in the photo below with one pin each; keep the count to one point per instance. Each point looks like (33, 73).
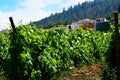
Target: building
(101, 24)
(85, 23)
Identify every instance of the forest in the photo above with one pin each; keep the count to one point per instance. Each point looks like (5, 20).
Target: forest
(89, 9)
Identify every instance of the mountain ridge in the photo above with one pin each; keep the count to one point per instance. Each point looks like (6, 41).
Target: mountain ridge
(88, 9)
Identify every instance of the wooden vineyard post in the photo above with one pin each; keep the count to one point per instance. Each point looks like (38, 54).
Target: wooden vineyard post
(12, 24)
(117, 59)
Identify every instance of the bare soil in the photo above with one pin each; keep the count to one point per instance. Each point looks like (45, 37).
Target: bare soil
(92, 71)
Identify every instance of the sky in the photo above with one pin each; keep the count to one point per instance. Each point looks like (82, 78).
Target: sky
(25, 11)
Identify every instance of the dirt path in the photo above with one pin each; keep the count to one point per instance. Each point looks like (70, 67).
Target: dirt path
(90, 72)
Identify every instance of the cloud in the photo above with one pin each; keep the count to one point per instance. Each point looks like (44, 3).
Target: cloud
(26, 15)
(73, 2)
(39, 3)
(33, 10)
(3, 21)
(27, 10)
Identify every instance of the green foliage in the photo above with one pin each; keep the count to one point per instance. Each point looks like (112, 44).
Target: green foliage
(110, 74)
(88, 9)
(4, 44)
(38, 54)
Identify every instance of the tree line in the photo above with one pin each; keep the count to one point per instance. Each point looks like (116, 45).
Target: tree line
(88, 9)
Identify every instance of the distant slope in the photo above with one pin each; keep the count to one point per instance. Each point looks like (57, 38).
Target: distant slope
(92, 9)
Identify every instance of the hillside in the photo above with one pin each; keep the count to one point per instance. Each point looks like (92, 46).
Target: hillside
(89, 9)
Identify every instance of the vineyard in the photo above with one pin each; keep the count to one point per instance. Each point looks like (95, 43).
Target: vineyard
(39, 54)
